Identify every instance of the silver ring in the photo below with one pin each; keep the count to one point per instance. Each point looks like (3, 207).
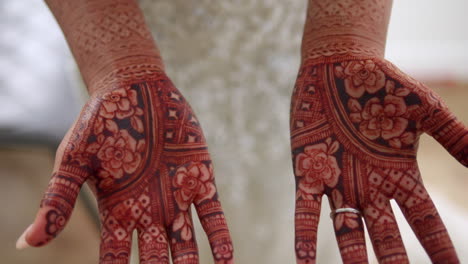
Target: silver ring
(344, 210)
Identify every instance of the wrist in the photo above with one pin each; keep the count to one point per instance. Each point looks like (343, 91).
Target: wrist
(336, 27)
(123, 71)
(336, 46)
(106, 37)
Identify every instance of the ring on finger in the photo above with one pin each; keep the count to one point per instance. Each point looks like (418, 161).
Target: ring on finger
(344, 210)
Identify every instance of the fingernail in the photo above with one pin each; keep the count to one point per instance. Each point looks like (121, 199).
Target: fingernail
(21, 242)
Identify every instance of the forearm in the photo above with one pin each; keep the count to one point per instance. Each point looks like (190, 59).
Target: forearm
(344, 27)
(106, 37)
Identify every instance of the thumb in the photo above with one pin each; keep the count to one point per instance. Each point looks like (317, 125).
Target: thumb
(60, 197)
(443, 126)
(55, 210)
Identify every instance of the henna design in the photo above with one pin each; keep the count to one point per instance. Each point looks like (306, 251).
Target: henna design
(355, 125)
(318, 166)
(223, 252)
(55, 222)
(345, 27)
(107, 37)
(137, 142)
(347, 96)
(146, 174)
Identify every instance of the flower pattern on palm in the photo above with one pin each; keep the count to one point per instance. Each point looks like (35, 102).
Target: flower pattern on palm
(143, 152)
(318, 167)
(355, 125)
(386, 120)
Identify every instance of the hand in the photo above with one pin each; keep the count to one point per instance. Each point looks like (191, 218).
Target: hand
(142, 151)
(355, 126)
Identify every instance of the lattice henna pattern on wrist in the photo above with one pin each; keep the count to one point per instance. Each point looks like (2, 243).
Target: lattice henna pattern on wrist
(345, 27)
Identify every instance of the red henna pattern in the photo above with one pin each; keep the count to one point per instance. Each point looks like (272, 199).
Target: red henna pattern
(355, 125)
(137, 143)
(55, 222)
(345, 27)
(144, 154)
(317, 166)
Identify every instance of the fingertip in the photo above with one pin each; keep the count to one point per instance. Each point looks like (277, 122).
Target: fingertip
(21, 243)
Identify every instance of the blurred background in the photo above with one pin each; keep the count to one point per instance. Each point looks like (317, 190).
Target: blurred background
(236, 62)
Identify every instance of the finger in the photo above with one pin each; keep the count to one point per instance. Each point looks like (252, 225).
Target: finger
(306, 219)
(55, 211)
(425, 221)
(214, 223)
(384, 233)
(349, 231)
(307, 213)
(184, 249)
(443, 126)
(59, 198)
(116, 243)
(153, 245)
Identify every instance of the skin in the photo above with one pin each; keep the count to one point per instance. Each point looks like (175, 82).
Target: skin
(137, 143)
(355, 124)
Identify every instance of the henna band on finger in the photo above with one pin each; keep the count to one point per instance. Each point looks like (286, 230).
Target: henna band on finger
(344, 210)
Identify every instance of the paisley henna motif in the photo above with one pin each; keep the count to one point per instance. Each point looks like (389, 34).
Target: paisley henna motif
(137, 142)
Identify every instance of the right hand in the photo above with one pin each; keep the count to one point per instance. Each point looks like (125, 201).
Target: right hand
(142, 151)
(355, 127)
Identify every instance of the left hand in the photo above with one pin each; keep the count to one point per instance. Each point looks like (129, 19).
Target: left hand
(355, 127)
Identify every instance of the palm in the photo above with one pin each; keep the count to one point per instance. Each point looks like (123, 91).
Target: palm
(355, 126)
(143, 152)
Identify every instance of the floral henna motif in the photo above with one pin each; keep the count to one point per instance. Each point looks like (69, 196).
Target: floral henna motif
(122, 104)
(317, 166)
(120, 154)
(386, 118)
(383, 119)
(360, 77)
(223, 253)
(357, 145)
(305, 250)
(55, 222)
(116, 153)
(191, 180)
